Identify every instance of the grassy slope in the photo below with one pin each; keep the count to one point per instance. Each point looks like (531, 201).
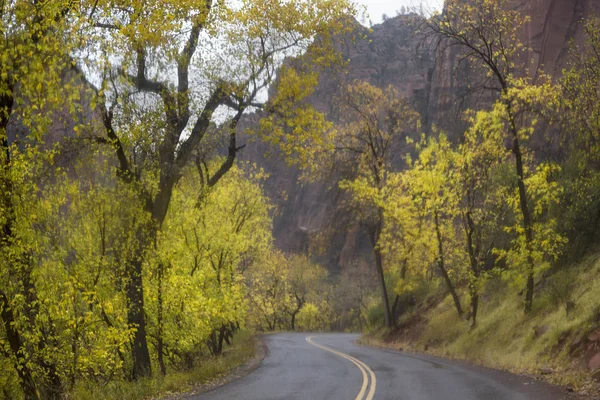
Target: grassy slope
(175, 381)
(507, 339)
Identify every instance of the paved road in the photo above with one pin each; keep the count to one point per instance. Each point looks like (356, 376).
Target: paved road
(332, 366)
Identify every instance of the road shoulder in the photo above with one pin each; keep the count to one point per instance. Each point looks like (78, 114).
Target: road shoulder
(569, 392)
(236, 373)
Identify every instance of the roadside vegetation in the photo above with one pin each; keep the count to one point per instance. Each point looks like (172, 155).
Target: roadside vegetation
(205, 370)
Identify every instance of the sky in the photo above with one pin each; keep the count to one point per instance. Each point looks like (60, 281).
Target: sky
(376, 8)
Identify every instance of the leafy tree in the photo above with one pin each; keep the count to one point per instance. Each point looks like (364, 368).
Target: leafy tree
(305, 281)
(432, 179)
(482, 197)
(378, 121)
(580, 128)
(488, 32)
(353, 294)
(406, 240)
(269, 292)
(208, 244)
(86, 238)
(36, 38)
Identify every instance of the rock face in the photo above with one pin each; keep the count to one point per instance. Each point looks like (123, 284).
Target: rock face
(436, 84)
(552, 25)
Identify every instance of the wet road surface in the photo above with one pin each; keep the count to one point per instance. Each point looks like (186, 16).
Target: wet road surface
(332, 366)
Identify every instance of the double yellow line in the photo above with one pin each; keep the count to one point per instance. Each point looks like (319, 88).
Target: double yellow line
(364, 369)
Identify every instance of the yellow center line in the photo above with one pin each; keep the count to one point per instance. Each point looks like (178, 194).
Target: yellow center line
(373, 381)
(364, 368)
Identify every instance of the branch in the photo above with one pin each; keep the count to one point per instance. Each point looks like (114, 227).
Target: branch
(106, 26)
(231, 150)
(123, 170)
(143, 84)
(198, 131)
(183, 64)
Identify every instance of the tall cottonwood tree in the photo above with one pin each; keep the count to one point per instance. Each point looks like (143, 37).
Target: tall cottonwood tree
(378, 122)
(487, 31)
(168, 70)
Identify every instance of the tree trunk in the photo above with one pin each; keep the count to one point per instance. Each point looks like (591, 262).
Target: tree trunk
(395, 308)
(442, 267)
(293, 321)
(135, 318)
(159, 322)
(384, 294)
(299, 305)
(474, 307)
(221, 339)
(473, 250)
(524, 206)
(14, 340)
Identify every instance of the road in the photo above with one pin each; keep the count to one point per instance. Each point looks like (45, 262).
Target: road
(332, 366)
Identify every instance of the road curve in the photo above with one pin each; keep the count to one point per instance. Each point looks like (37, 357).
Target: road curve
(332, 366)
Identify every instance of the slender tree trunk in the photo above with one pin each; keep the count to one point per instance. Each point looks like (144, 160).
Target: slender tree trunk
(212, 342)
(442, 267)
(525, 212)
(222, 334)
(159, 322)
(293, 321)
(474, 307)
(473, 251)
(299, 305)
(384, 294)
(394, 310)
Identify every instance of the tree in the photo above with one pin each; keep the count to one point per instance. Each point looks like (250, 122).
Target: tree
(377, 123)
(482, 197)
(227, 58)
(353, 294)
(406, 240)
(269, 292)
(305, 280)
(83, 234)
(210, 245)
(487, 31)
(580, 129)
(431, 179)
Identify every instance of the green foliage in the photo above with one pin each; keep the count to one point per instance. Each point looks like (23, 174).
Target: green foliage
(204, 248)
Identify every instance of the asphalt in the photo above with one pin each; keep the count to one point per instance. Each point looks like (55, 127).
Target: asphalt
(296, 369)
